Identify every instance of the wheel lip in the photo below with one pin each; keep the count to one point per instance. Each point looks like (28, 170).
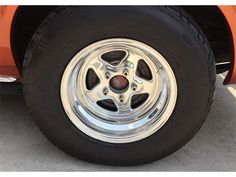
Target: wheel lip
(164, 117)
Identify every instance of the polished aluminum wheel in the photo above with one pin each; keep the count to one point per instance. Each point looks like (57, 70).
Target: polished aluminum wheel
(118, 90)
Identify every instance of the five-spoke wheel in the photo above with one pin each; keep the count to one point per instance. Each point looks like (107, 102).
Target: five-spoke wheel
(118, 90)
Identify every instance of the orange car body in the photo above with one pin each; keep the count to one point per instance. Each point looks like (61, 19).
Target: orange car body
(8, 67)
(7, 63)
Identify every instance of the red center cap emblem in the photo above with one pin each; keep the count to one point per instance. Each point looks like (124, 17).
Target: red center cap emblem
(119, 82)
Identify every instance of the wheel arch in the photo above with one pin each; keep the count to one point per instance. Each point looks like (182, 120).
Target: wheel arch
(216, 27)
(25, 22)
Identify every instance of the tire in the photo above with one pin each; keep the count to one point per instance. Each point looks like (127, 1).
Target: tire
(168, 30)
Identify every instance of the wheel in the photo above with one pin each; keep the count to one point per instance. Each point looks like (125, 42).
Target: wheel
(119, 85)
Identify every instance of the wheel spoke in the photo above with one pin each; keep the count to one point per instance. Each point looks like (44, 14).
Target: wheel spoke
(143, 85)
(96, 93)
(99, 68)
(123, 104)
(132, 64)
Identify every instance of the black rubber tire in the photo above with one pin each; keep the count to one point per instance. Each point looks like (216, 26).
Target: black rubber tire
(169, 30)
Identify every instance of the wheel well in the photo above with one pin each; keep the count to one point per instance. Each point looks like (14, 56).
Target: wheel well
(213, 23)
(209, 18)
(26, 21)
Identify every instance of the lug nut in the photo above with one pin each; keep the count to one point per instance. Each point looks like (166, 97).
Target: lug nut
(107, 75)
(105, 91)
(133, 86)
(125, 72)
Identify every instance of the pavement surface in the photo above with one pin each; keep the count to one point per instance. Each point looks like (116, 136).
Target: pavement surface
(24, 148)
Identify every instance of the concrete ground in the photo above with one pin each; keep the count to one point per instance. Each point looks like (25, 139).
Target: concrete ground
(24, 148)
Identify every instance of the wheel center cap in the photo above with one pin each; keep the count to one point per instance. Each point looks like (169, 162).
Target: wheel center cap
(119, 83)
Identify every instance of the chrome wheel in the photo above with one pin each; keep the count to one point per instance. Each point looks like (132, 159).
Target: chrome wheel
(118, 90)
